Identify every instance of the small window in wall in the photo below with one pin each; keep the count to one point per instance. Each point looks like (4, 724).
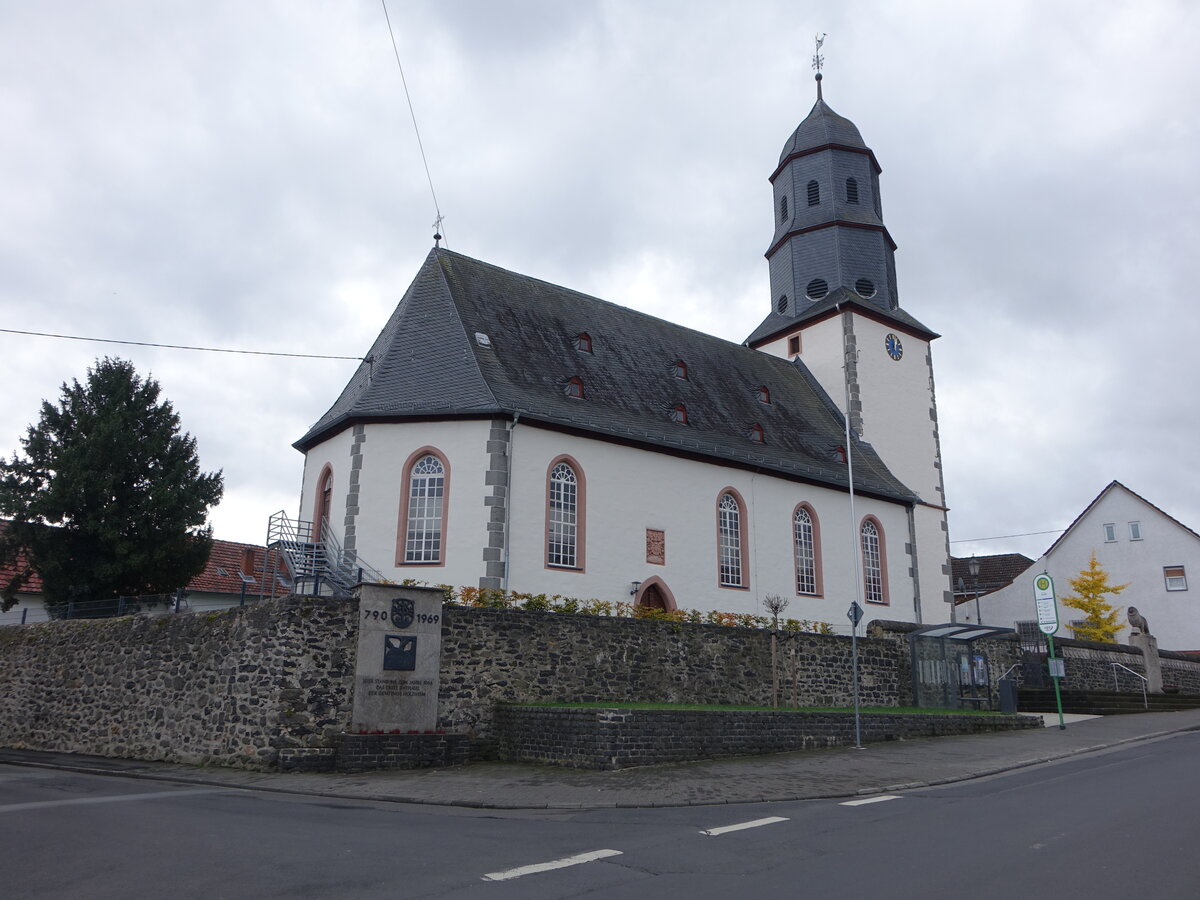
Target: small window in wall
(794, 345)
(679, 414)
(583, 343)
(1110, 532)
(851, 190)
(814, 193)
(783, 210)
(574, 388)
(1175, 577)
(1135, 531)
(679, 369)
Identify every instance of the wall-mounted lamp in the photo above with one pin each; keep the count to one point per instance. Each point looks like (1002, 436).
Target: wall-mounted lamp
(633, 592)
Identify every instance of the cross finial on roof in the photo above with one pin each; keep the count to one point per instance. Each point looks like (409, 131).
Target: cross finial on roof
(437, 230)
(818, 60)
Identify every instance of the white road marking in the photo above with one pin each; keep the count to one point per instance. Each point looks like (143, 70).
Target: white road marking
(115, 798)
(866, 800)
(744, 825)
(553, 864)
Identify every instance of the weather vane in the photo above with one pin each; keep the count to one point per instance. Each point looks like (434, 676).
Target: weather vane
(818, 60)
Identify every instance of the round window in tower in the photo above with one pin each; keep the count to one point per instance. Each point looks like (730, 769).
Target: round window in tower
(817, 288)
(865, 288)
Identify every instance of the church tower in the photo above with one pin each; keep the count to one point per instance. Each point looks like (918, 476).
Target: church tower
(835, 310)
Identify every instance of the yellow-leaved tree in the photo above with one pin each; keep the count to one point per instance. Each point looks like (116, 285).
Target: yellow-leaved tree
(1090, 588)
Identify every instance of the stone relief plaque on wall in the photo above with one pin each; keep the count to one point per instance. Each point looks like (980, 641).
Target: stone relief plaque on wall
(399, 658)
(656, 547)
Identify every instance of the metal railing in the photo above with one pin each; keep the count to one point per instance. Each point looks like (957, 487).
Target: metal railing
(1145, 681)
(315, 559)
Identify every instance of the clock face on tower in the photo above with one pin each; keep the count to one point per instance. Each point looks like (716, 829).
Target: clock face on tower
(894, 348)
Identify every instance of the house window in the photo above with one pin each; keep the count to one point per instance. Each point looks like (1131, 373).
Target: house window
(424, 512)
(763, 394)
(1135, 531)
(679, 369)
(574, 388)
(583, 342)
(679, 414)
(730, 541)
(1175, 577)
(814, 193)
(874, 575)
(1110, 532)
(783, 210)
(757, 434)
(807, 545)
(564, 508)
(794, 345)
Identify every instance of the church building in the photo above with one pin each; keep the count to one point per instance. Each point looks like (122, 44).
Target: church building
(504, 432)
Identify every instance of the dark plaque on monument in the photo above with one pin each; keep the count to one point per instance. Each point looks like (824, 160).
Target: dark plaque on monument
(400, 653)
(403, 613)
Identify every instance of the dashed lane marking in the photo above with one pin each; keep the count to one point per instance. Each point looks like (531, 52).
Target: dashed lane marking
(113, 798)
(865, 800)
(744, 825)
(563, 863)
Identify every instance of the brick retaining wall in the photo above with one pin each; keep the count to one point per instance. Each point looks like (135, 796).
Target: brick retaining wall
(619, 738)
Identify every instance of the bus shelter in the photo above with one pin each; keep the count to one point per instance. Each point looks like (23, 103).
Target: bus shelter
(948, 670)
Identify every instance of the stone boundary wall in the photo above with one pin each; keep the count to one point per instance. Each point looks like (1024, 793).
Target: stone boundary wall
(231, 688)
(620, 738)
(492, 657)
(365, 752)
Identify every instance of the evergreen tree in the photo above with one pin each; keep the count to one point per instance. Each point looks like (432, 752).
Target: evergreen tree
(107, 499)
(1090, 588)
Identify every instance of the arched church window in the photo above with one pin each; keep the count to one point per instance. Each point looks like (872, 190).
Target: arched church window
(783, 210)
(814, 193)
(816, 289)
(731, 541)
(424, 509)
(807, 544)
(851, 190)
(564, 516)
(324, 503)
(873, 560)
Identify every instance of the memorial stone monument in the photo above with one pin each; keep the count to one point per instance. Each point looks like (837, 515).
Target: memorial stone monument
(1148, 644)
(399, 658)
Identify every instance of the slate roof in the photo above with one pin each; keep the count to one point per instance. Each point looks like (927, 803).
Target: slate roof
(820, 127)
(995, 571)
(427, 362)
(775, 324)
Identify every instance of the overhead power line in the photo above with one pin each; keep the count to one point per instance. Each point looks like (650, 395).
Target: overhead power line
(1000, 537)
(75, 337)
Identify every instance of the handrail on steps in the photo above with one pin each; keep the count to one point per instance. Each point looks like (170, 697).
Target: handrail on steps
(1145, 681)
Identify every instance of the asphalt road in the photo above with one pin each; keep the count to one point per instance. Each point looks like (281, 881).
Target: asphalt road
(1116, 824)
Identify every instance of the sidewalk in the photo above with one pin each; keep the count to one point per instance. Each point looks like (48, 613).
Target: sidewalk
(837, 772)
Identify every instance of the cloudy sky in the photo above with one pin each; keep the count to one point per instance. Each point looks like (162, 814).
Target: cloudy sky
(245, 175)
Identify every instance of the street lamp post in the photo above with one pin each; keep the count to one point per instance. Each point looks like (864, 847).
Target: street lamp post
(973, 568)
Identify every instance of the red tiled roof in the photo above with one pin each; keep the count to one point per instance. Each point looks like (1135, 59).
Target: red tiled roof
(220, 575)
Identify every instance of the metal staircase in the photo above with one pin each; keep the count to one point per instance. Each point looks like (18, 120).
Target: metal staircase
(302, 565)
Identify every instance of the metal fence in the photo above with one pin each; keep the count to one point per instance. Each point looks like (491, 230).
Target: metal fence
(151, 604)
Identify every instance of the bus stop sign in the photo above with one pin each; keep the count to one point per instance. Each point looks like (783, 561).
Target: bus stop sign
(1044, 601)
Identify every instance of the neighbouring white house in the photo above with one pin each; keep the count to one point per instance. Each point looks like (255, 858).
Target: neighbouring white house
(505, 432)
(1137, 544)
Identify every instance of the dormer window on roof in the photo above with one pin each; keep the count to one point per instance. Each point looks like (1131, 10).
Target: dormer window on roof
(763, 394)
(757, 434)
(583, 342)
(574, 388)
(814, 193)
(851, 190)
(679, 369)
(679, 414)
